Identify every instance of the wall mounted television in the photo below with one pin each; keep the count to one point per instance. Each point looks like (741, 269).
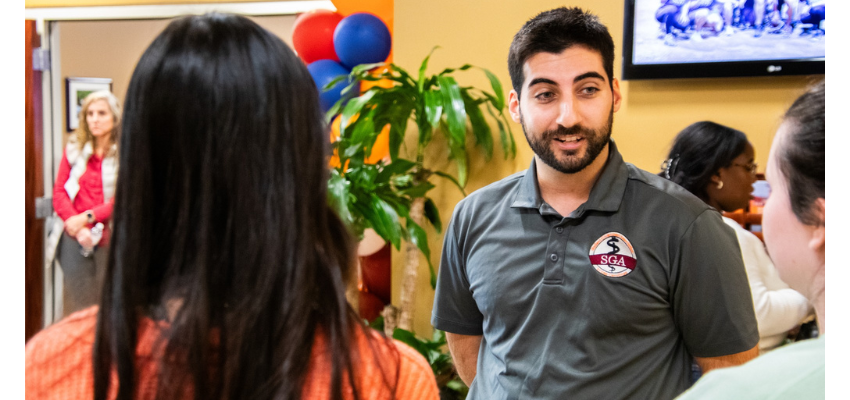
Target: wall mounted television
(665, 39)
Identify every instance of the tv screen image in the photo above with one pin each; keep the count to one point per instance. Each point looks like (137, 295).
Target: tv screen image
(664, 32)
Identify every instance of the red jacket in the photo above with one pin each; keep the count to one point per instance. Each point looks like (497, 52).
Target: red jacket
(90, 196)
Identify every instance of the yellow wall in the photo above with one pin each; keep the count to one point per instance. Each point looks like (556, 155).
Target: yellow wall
(480, 31)
(87, 3)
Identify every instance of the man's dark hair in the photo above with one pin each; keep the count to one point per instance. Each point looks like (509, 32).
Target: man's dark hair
(699, 151)
(802, 155)
(554, 31)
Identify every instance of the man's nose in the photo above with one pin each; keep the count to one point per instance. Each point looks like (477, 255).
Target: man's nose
(567, 115)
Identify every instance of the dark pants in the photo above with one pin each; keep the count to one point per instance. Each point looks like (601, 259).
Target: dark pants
(83, 275)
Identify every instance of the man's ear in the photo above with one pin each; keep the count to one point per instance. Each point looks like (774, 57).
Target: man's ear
(513, 105)
(818, 240)
(615, 88)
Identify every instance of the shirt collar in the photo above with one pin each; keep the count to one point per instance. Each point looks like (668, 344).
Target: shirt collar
(606, 194)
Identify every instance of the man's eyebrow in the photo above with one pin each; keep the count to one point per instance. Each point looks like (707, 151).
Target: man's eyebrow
(541, 80)
(586, 75)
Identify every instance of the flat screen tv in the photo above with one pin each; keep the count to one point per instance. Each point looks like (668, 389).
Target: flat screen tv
(723, 38)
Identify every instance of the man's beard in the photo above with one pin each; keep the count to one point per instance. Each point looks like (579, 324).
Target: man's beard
(596, 141)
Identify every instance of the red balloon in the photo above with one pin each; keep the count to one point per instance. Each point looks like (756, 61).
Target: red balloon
(370, 306)
(313, 35)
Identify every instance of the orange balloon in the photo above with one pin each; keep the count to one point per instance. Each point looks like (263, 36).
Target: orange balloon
(384, 83)
(380, 150)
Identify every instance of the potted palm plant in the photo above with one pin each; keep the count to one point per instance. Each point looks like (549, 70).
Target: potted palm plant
(392, 198)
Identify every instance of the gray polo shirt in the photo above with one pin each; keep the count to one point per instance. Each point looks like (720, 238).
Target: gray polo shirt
(609, 302)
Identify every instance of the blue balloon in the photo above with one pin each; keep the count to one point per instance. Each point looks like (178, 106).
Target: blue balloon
(362, 38)
(323, 72)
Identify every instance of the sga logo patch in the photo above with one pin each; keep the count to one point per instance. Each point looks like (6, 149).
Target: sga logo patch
(612, 255)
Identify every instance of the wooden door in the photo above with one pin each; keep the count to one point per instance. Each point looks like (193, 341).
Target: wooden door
(34, 231)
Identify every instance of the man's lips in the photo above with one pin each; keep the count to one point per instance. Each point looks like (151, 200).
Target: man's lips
(568, 142)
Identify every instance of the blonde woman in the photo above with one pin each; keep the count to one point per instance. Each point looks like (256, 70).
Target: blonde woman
(83, 195)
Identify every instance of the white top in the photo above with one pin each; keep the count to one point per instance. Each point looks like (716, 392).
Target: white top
(778, 308)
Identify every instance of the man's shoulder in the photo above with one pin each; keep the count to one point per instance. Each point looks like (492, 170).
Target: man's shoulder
(497, 192)
(651, 188)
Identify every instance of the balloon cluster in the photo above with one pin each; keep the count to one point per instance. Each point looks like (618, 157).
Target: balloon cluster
(332, 45)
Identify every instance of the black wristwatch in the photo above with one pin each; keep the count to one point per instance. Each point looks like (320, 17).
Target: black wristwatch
(90, 216)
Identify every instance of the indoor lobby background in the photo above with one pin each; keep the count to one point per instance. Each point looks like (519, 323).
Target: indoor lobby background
(479, 32)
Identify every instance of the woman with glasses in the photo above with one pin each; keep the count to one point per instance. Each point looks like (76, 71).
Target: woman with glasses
(716, 163)
(795, 233)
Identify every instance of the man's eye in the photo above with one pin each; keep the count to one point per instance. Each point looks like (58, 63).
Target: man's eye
(590, 90)
(544, 96)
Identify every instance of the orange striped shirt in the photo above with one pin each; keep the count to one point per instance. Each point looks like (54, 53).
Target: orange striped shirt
(59, 364)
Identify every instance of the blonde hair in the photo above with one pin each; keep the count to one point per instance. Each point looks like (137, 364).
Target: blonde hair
(83, 133)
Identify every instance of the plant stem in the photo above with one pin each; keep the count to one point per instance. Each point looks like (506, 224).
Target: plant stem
(352, 290)
(411, 270)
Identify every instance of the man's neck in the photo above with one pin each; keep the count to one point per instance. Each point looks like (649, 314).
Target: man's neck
(566, 192)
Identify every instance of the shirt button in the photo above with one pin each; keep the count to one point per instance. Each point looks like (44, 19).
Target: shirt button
(553, 257)
(559, 229)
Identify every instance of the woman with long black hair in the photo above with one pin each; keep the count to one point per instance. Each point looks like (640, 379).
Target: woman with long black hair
(227, 271)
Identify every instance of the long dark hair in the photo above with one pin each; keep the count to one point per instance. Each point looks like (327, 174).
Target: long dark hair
(802, 155)
(699, 151)
(221, 210)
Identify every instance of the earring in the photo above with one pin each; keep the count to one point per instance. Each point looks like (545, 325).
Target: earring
(719, 185)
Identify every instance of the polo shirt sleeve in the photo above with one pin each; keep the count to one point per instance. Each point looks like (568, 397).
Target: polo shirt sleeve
(454, 309)
(712, 303)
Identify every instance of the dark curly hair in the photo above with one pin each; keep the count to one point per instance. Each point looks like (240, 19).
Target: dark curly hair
(699, 151)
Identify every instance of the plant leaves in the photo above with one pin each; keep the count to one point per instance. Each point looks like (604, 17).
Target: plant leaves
(396, 167)
(417, 191)
(420, 83)
(452, 179)
(464, 67)
(508, 144)
(383, 219)
(480, 128)
(433, 108)
(432, 214)
(454, 108)
(359, 69)
(338, 197)
(456, 123)
(419, 238)
(497, 89)
(354, 106)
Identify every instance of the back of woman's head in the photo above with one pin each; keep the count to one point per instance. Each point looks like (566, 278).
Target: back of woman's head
(221, 214)
(699, 151)
(802, 155)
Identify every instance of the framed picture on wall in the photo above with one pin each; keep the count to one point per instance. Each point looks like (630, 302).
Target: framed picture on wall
(76, 89)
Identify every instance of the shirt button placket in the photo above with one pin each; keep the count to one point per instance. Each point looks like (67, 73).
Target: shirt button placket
(553, 269)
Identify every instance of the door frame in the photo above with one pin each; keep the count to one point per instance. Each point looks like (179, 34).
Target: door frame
(52, 123)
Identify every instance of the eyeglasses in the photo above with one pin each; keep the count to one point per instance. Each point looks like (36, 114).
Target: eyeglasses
(752, 167)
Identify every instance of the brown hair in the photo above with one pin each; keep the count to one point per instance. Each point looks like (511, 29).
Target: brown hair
(802, 155)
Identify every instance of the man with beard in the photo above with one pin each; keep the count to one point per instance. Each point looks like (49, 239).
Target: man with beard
(583, 276)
